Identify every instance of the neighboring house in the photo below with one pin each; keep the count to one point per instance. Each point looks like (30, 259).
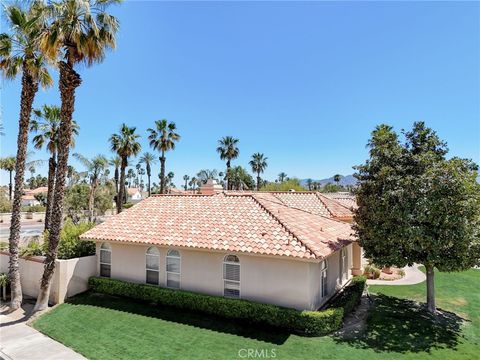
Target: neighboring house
(293, 249)
(345, 198)
(28, 199)
(134, 194)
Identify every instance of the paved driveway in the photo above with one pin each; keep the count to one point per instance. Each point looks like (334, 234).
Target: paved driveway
(19, 341)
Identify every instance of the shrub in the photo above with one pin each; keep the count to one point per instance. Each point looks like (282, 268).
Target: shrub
(70, 245)
(127, 205)
(311, 323)
(349, 298)
(33, 248)
(4, 245)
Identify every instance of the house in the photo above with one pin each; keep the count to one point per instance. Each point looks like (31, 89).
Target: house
(293, 249)
(134, 194)
(28, 197)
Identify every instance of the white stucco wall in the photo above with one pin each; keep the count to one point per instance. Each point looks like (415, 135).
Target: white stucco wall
(70, 276)
(284, 282)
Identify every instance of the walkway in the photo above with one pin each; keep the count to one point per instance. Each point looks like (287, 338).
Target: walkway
(412, 276)
(19, 341)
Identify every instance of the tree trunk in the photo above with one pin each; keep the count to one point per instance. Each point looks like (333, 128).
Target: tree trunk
(258, 181)
(10, 185)
(149, 189)
(162, 174)
(116, 179)
(51, 184)
(29, 89)
(121, 186)
(228, 175)
(430, 289)
(91, 199)
(69, 81)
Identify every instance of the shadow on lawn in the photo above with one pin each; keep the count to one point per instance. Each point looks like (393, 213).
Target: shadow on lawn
(181, 316)
(400, 325)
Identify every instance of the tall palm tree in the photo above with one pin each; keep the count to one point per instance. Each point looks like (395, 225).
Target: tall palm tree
(309, 184)
(130, 176)
(116, 162)
(228, 150)
(80, 32)
(258, 164)
(148, 159)
(8, 164)
(45, 124)
(95, 168)
(126, 145)
(19, 53)
(186, 178)
(193, 183)
(162, 138)
(337, 178)
(282, 177)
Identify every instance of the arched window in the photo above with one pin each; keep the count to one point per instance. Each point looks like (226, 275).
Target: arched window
(152, 261)
(231, 276)
(343, 265)
(173, 269)
(323, 278)
(105, 260)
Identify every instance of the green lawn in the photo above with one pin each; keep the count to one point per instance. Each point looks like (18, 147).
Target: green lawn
(102, 327)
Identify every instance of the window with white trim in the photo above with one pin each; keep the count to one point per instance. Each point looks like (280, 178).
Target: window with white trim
(231, 276)
(173, 269)
(323, 278)
(105, 260)
(343, 265)
(152, 265)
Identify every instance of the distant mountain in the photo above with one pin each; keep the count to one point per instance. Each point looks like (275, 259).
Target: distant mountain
(345, 180)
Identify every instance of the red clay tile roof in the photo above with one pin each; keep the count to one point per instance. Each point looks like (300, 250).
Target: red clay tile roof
(346, 199)
(258, 223)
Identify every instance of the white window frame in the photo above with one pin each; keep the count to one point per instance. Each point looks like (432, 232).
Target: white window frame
(147, 269)
(179, 257)
(343, 265)
(106, 247)
(324, 278)
(225, 280)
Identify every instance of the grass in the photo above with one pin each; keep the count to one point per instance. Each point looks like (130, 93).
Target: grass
(103, 327)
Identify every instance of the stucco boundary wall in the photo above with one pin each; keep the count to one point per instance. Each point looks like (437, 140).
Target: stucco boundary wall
(70, 276)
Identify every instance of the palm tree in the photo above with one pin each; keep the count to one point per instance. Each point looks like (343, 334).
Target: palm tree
(95, 167)
(337, 178)
(193, 183)
(80, 32)
(46, 124)
(169, 180)
(8, 164)
(116, 162)
(148, 159)
(228, 150)
(162, 138)
(309, 184)
(282, 176)
(126, 145)
(186, 178)
(130, 176)
(19, 52)
(258, 164)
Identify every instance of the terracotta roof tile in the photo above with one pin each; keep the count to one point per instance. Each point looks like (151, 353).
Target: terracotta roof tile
(260, 223)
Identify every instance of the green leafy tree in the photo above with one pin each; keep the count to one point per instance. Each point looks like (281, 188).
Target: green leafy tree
(95, 168)
(126, 145)
(205, 174)
(337, 178)
(45, 124)
(288, 185)
(416, 206)
(163, 138)
(19, 53)
(258, 164)
(240, 179)
(79, 32)
(228, 150)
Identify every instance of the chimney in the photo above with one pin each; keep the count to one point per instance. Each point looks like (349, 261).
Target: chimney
(210, 187)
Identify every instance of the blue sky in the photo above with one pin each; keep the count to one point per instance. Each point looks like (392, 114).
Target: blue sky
(303, 83)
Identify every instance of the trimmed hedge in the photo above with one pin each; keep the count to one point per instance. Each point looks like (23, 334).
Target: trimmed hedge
(311, 323)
